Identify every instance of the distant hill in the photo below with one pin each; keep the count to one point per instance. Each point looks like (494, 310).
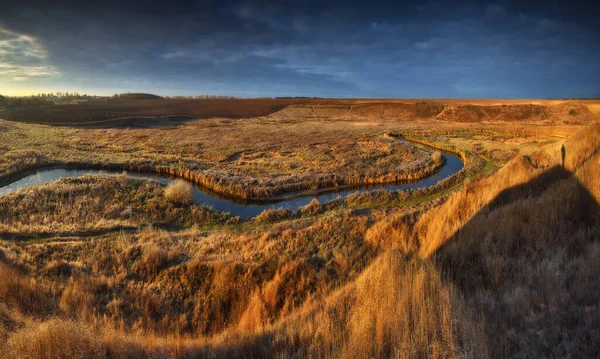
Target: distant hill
(136, 96)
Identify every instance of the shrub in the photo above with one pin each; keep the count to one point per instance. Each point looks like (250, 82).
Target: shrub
(274, 215)
(436, 157)
(572, 112)
(179, 192)
(153, 260)
(57, 268)
(312, 208)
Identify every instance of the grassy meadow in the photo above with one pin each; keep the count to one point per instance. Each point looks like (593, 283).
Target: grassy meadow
(498, 261)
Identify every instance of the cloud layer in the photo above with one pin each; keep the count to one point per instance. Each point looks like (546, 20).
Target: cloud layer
(309, 48)
(22, 57)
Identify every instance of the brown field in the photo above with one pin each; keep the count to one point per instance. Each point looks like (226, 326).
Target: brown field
(99, 111)
(107, 113)
(498, 261)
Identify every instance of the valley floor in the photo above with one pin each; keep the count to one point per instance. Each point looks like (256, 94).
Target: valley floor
(500, 261)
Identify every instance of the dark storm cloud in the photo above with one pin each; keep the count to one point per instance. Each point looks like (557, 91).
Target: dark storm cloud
(254, 48)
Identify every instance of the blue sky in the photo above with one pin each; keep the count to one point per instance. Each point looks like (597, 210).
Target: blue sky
(468, 49)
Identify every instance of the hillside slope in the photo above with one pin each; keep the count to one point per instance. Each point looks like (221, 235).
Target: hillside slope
(572, 113)
(523, 247)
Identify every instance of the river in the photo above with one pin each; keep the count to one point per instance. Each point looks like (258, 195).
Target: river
(237, 207)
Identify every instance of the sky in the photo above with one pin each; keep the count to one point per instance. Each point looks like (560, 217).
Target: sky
(372, 49)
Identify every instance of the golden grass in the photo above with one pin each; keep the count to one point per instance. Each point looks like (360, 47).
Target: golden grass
(436, 226)
(398, 307)
(200, 283)
(505, 266)
(532, 251)
(402, 308)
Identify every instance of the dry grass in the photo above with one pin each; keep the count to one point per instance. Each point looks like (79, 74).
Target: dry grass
(436, 226)
(301, 148)
(55, 339)
(530, 251)
(99, 204)
(196, 283)
(25, 294)
(403, 309)
(398, 307)
(504, 267)
(520, 245)
(393, 233)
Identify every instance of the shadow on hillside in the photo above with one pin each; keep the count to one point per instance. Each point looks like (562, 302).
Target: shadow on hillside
(528, 263)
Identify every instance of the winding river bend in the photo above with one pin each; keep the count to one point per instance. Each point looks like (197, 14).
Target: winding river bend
(452, 165)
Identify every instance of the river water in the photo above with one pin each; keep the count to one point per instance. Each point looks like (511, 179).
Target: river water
(237, 207)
